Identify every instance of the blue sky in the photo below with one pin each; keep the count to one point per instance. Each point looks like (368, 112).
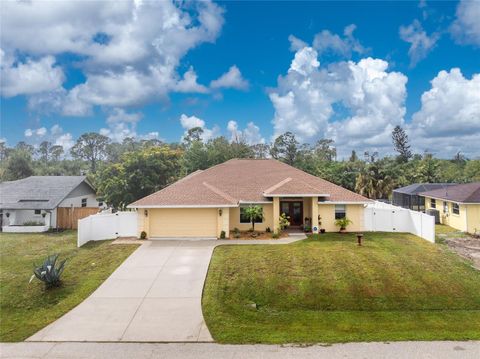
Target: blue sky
(366, 72)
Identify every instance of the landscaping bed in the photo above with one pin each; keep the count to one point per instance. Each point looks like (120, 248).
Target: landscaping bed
(248, 235)
(328, 289)
(27, 307)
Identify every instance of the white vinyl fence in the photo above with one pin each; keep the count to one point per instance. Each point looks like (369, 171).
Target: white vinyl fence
(381, 217)
(100, 226)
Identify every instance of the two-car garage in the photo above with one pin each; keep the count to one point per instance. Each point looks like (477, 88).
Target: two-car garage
(182, 222)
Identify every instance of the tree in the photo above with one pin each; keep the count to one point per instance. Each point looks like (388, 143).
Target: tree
(285, 148)
(56, 151)
(90, 147)
(353, 156)
(44, 150)
(260, 150)
(23, 146)
(139, 174)
(325, 151)
(400, 144)
(193, 135)
(374, 182)
(254, 213)
(19, 165)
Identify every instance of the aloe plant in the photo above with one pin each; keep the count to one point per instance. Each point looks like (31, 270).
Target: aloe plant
(49, 272)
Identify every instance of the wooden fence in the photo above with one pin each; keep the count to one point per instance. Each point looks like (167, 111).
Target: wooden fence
(67, 218)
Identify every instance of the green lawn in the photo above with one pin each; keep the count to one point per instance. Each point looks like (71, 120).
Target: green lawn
(394, 287)
(443, 232)
(25, 308)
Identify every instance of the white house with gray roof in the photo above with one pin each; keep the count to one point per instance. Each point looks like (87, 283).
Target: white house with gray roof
(37, 203)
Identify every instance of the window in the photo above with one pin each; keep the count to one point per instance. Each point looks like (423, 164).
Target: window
(433, 203)
(340, 211)
(445, 207)
(84, 202)
(37, 211)
(245, 219)
(455, 208)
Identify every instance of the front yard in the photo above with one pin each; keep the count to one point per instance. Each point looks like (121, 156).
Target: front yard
(25, 308)
(327, 289)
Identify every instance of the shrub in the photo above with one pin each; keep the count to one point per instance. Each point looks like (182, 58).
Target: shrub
(283, 221)
(343, 223)
(307, 228)
(236, 234)
(49, 272)
(236, 230)
(268, 230)
(143, 235)
(32, 223)
(275, 235)
(222, 235)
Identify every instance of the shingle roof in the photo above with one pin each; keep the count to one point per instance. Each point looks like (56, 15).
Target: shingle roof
(37, 192)
(463, 193)
(244, 180)
(416, 188)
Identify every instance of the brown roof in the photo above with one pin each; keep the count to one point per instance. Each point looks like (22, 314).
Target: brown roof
(464, 193)
(245, 180)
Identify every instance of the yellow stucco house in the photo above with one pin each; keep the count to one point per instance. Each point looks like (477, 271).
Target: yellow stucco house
(205, 203)
(458, 206)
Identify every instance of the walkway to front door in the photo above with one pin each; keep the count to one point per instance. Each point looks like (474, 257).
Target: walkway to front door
(294, 210)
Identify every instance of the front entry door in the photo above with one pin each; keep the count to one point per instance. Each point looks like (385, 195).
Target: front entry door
(294, 210)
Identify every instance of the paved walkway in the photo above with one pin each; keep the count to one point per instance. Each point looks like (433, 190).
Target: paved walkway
(394, 350)
(154, 296)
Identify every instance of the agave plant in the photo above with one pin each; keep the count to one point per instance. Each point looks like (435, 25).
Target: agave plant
(49, 272)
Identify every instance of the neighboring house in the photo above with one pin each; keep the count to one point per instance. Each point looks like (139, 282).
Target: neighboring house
(47, 201)
(458, 206)
(407, 197)
(205, 203)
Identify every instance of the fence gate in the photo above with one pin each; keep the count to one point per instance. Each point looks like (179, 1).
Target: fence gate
(67, 217)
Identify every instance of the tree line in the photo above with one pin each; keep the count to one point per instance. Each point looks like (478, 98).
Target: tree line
(124, 172)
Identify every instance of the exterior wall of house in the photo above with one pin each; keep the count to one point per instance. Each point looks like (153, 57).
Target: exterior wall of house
(267, 220)
(74, 199)
(19, 216)
(458, 221)
(354, 212)
(473, 218)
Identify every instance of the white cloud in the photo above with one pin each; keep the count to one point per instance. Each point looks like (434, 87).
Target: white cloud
(189, 122)
(449, 118)
(250, 135)
(296, 43)
(121, 125)
(130, 50)
(328, 42)
(29, 77)
(466, 27)
(420, 43)
(355, 103)
(66, 141)
(56, 136)
(189, 83)
(230, 79)
(39, 132)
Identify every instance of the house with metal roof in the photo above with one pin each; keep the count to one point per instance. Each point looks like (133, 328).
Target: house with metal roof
(458, 206)
(407, 197)
(37, 203)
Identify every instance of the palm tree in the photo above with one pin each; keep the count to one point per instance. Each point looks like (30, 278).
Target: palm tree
(373, 182)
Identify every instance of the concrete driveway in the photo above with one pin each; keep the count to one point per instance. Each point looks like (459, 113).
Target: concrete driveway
(154, 296)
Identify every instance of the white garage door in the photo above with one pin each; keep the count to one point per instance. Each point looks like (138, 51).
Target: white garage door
(183, 222)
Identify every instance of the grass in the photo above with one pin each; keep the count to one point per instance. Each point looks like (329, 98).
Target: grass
(326, 289)
(26, 308)
(443, 232)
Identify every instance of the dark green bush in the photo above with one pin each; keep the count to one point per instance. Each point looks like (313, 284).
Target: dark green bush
(49, 272)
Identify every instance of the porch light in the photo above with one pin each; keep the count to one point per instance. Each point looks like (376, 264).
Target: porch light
(220, 212)
(145, 212)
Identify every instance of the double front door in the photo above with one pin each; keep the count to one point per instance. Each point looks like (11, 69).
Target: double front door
(294, 210)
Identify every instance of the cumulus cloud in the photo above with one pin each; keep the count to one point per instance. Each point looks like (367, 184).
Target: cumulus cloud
(420, 42)
(129, 51)
(39, 132)
(449, 118)
(328, 42)
(250, 135)
(55, 135)
(230, 79)
(28, 77)
(466, 27)
(355, 103)
(121, 125)
(189, 122)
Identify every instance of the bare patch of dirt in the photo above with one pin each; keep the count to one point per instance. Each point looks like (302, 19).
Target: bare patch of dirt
(467, 247)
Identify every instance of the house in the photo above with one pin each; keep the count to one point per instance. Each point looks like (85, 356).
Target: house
(205, 203)
(37, 203)
(408, 196)
(458, 206)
